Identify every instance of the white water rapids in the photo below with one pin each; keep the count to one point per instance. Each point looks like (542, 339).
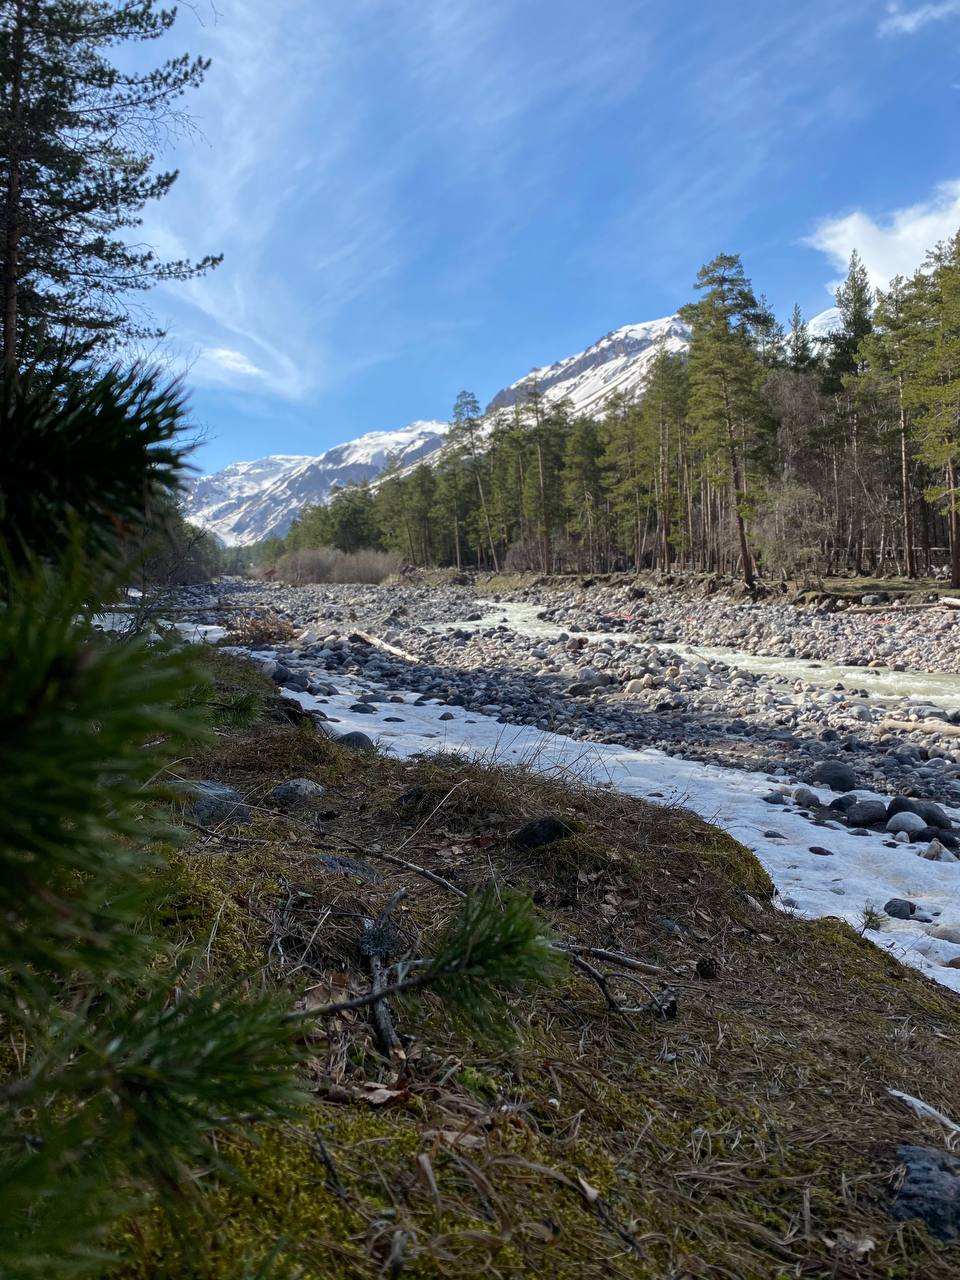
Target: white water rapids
(921, 688)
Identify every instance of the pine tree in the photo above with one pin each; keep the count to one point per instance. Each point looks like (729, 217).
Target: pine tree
(937, 386)
(663, 415)
(465, 428)
(725, 382)
(583, 489)
(798, 347)
(77, 141)
(887, 358)
(124, 1065)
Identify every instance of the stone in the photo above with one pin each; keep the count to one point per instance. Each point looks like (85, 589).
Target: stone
(932, 814)
(295, 793)
(834, 774)
(356, 741)
(867, 813)
(930, 1190)
(341, 865)
(805, 798)
(364, 708)
(775, 797)
(911, 823)
(819, 850)
(212, 803)
(541, 832)
(899, 908)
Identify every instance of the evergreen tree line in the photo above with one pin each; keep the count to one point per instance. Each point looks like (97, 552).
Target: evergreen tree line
(763, 451)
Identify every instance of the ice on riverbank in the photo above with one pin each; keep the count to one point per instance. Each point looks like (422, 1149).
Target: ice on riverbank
(861, 875)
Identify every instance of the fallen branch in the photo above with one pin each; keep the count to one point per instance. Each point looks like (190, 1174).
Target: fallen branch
(392, 858)
(376, 945)
(938, 729)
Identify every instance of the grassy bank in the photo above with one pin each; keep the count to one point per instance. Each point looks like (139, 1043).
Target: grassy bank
(751, 1135)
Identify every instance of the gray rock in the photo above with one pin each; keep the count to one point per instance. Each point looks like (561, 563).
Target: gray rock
(834, 774)
(364, 709)
(341, 865)
(899, 909)
(805, 798)
(356, 741)
(911, 823)
(930, 1190)
(295, 793)
(946, 933)
(212, 803)
(932, 814)
(867, 813)
(775, 797)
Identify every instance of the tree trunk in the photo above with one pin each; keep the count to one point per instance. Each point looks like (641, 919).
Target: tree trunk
(12, 202)
(954, 521)
(909, 554)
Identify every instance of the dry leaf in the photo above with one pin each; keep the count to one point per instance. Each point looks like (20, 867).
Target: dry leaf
(377, 1095)
(454, 1137)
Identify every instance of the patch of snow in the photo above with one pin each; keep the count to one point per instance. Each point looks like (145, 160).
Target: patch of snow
(862, 873)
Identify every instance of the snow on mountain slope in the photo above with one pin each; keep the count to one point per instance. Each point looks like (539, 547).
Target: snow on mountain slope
(827, 322)
(252, 500)
(248, 501)
(619, 362)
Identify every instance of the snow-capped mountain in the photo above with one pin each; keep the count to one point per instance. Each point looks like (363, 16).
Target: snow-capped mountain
(619, 362)
(826, 323)
(248, 501)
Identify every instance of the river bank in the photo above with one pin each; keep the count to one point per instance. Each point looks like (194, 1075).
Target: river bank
(802, 773)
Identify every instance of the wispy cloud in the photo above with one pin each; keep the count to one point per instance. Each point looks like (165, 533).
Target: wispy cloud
(902, 21)
(336, 140)
(894, 244)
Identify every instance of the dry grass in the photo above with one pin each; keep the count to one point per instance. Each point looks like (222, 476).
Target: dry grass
(750, 1137)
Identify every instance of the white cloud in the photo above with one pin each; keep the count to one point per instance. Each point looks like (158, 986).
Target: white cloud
(906, 22)
(230, 362)
(895, 244)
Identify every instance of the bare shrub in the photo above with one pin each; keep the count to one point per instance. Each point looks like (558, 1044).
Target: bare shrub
(259, 631)
(326, 564)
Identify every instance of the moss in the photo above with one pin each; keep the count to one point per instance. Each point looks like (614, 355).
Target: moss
(721, 853)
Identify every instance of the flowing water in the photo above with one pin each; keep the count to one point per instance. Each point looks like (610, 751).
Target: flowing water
(940, 689)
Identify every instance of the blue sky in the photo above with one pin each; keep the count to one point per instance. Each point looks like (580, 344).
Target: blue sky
(417, 196)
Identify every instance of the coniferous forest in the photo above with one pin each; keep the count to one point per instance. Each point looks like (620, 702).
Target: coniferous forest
(763, 452)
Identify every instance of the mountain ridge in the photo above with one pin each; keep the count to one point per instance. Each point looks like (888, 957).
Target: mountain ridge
(248, 501)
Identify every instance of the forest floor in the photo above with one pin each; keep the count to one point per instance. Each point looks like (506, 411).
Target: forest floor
(752, 1134)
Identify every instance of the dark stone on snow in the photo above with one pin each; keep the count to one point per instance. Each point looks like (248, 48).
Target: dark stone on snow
(541, 832)
(843, 803)
(930, 1190)
(899, 908)
(819, 850)
(931, 813)
(364, 708)
(356, 741)
(867, 813)
(834, 774)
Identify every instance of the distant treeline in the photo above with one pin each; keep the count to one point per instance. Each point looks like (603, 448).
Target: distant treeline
(762, 451)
